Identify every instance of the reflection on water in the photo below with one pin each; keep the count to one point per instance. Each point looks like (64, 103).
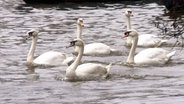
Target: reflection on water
(104, 22)
(172, 27)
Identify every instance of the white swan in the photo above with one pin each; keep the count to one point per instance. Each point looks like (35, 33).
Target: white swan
(50, 58)
(128, 14)
(150, 56)
(145, 40)
(87, 71)
(94, 49)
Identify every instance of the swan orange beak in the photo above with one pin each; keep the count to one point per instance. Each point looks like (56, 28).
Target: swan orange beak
(131, 15)
(82, 24)
(71, 45)
(68, 46)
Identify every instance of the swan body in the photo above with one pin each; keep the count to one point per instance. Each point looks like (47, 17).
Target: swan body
(153, 56)
(95, 71)
(150, 56)
(95, 49)
(87, 71)
(145, 40)
(149, 40)
(53, 58)
(50, 58)
(100, 49)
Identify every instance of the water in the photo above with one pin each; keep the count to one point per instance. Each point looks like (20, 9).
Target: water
(104, 22)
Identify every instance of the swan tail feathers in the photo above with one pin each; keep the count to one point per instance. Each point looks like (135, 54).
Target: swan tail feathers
(108, 67)
(164, 41)
(116, 52)
(69, 60)
(171, 54)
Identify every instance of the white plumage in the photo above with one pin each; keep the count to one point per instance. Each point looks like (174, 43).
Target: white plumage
(53, 58)
(50, 58)
(87, 71)
(145, 40)
(150, 56)
(95, 49)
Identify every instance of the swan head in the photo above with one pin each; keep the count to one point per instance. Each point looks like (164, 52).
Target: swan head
(80, 22)
(128, 13)
(33, 33)
(76, 42)
(131, 33)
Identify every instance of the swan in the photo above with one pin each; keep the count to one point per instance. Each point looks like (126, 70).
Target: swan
(145, 40)
(150, 56)
(94, 49)
(128, 14)
(87, 71)
(51, 58)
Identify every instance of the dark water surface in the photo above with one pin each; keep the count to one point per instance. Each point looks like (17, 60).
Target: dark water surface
(104, 22)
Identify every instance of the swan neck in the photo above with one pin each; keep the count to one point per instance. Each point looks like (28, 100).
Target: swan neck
(131, 55)
(79, 32)
(128, 22)
(79, 57)
(79, 36)
(70, 72)
(30, 56)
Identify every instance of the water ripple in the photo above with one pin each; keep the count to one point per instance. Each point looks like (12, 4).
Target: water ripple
(104, 22)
